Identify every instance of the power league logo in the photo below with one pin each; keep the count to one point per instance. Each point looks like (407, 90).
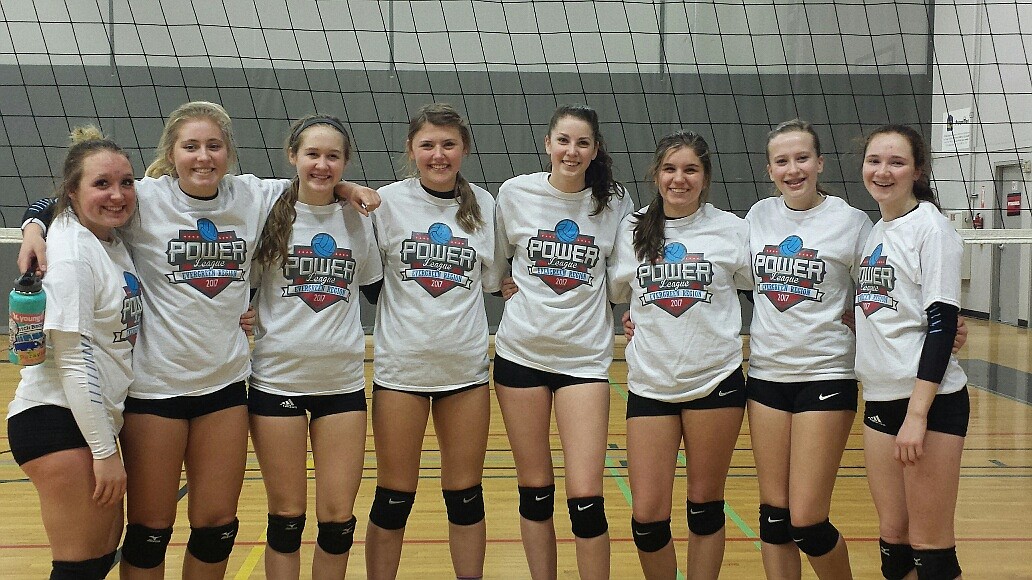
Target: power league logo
(437, 260)
(677, 281)
(132, 309)
(562, 257)
(208, 260)
(877, 279)
(321, 273)
(789, 273)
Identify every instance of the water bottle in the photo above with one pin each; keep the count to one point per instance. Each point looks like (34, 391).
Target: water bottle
(26, 305)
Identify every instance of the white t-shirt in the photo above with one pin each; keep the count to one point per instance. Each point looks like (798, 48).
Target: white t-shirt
(560, 319)
(909, 263)
(803, 265)
(684, 306)
(194, 255)
(308, 339)
(93, 292)
(431, 326)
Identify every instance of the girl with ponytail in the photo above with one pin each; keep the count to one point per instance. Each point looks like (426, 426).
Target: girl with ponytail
(679, 262)
(916, 400)
(555, 341)
(309, 351)
(436, 239)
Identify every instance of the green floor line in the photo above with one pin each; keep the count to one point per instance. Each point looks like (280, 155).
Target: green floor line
(620, 481)
(681, 461)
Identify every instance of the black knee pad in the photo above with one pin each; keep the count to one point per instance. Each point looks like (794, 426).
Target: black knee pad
(588, 516)
(897, 560)
(145, 547)
(391, 508)
(775, 525)
(537, 504)
(651, 537)
(284, 533)
(336, 537)
(465, 506)
(105, 563)
(213, 544)
(705, 519)
(937, 564)
(93, 569)
(816, 540)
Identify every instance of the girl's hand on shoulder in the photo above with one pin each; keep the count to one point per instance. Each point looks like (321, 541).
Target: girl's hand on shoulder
(111, 480)
(509, 287)
(910, 440)
(362, 198)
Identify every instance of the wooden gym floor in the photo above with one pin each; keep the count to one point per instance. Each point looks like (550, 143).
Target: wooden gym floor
(994, 536)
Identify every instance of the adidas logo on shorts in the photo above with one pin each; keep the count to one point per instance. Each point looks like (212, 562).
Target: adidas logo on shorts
(876, 420)
(288, 404)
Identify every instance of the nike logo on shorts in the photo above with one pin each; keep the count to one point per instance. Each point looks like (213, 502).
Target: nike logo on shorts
(725, 393)
(823, 397)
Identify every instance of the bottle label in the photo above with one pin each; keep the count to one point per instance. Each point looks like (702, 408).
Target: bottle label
(28, 341)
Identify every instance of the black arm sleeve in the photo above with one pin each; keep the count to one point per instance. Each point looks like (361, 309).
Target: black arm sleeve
(42, 210)
(942, 329)
(372, 291)
(748, 295)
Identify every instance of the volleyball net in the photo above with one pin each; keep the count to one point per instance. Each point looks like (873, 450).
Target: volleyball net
(729, 70)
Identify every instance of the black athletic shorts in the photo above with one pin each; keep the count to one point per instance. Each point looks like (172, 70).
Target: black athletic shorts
(948, 414)
(432, 395)
(42, 430)
(269, 405)
(510, 374)
(190, 407)
(803, 396)
(729, 394)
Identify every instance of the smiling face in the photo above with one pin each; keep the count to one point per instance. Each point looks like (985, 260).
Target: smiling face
(890, 172)
(437, 152)
(105, 196)
(320, 160)
(794, 166)
(571, 146)
(681, 179)
(201, 157)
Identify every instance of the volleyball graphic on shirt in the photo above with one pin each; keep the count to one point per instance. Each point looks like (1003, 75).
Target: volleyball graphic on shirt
(320, 273)
(876, 280)
(677, 281)
(437, 260)
(207, 259)
(563, 257)
(789, 273)
(132, 309)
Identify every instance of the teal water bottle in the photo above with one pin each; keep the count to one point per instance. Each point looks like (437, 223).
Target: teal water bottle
(27, 304)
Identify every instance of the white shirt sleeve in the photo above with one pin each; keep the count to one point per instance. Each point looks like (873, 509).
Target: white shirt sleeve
(940, 255)
(80, 380)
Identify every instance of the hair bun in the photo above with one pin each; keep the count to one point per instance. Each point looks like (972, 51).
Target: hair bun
(86, 133)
